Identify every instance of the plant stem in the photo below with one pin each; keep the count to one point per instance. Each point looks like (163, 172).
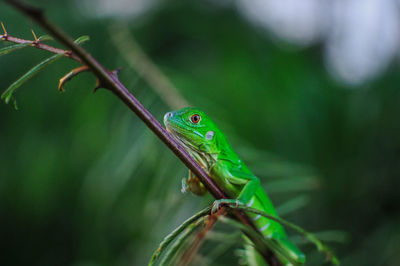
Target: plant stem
(41, 46)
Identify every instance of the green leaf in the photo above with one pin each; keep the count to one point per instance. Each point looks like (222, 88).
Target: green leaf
(180, 241)
(15, 103)
(8, 94)
(14, 47)
(82, 39)
(169, 238)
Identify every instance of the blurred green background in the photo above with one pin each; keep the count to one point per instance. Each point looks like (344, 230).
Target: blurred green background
(84, 182)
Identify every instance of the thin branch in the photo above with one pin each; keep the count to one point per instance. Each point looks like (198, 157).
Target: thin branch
(39, 45)
(109, 80)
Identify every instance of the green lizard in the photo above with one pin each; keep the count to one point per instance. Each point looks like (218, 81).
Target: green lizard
(204, 141)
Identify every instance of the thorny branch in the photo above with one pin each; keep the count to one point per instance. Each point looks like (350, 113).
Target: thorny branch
(38, 44)
(109, 80)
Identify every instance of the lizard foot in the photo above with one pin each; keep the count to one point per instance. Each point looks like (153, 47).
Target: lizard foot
(218, 204)
(185, 186)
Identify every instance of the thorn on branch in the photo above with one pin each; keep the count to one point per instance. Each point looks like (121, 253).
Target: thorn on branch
(98, 86)
(99, 83)
(5, 35)
(115, 72)
(36, 41)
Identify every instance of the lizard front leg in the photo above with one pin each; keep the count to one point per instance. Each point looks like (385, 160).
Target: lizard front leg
(233, 176)
(193, 184)
(244, 198)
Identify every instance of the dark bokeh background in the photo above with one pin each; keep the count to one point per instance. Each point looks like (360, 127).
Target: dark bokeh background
(84, 182)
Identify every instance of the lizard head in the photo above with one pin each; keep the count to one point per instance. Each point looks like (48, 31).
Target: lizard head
(193, 129)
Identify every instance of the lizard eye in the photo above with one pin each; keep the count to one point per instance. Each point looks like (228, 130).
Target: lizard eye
(195, 118)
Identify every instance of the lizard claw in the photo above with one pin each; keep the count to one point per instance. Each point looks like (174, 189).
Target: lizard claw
(184, 188)
(217, 204)
(215, 207)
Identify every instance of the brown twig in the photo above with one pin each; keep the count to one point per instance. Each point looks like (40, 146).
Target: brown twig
(37, 44)
(109, 79)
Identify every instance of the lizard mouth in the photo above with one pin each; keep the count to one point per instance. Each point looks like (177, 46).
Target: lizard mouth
(176, 132)
(203, 159)
(180, 137)
(175, 127)
(180, 133)
(172, 128)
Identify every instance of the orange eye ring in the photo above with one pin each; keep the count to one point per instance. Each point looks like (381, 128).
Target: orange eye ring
(195, 118)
